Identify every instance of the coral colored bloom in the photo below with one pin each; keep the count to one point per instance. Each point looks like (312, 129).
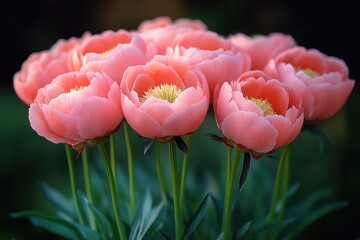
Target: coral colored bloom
(77, 108)
(204, 40)
(322, 81)
(262, 48)
(162, 30)
(111, 52)
(42, 67)
(258, 113)
(218, 65)
(164, 98)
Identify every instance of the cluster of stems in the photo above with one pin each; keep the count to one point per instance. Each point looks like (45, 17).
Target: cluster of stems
(178, 184)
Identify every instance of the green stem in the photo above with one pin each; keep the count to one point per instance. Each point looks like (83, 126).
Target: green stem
(179, 228)
(278, 202)
(70, 161)
(113, 191)
(85, 161)
(229, 193)
(184, 171)
(113, 154)
(131, 167)
(160, 171)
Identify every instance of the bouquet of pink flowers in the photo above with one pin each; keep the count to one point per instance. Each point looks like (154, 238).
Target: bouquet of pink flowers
(163, 82)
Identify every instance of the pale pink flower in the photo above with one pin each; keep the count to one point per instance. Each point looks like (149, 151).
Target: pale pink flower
(40, 68)
(217, 65)
(322, 81)
(77, 108)
(111, 52)
(164, 98)
(257, 113)
(262, 48)
(162, 30)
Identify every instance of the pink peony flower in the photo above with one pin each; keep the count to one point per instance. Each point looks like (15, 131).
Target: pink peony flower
(77, 108)
(164, 98)
(111, 52)
(162, 30)
(262, 48)
(204, 40)
(42, 67)
(217, 65)
(257, 113)
(321, 80)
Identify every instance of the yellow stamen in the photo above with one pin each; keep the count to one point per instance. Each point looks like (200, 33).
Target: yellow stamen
(105, 53)
(76, 88)
(264, 105)
(308, 71)
(168, 92)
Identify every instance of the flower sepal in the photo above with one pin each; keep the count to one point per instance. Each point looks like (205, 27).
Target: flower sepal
(228, 142)
(79, 147)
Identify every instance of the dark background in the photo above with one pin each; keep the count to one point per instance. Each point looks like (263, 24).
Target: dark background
(30, 26)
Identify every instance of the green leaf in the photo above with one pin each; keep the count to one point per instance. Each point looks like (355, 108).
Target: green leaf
(272, 158)
(196, 217)
(313, 216)
(52, 224)
(145, 217)
(308, 203)
(147, 147)
(101, 221)
(261, 229)
(243, 230)
(164, 235)
(181, 144)
(215, 137)
(150, 219)
(220, 237)
(154, 230)
(245, 171)
(292, 190)
(87, 232)
(59, 201)
(218, 209)
(318, 136)
(135, 228)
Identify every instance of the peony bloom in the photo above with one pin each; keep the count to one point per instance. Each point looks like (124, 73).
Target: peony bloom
(164, 98)
(111, 52)
(42, 67)
(257, 113)
(204, 40)
(262, 48)
(322, 81)
(77, 108)
(217, 65)
(162, 30)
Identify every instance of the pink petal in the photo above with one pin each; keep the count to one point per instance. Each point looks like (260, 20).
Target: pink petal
(163, 74)
(140, 121)
(96, 117)
(41, 126)
(250, 131)
(287, 130)
(188, 120)
(329, 99)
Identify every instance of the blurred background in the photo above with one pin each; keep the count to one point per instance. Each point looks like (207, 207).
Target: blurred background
(30, 26)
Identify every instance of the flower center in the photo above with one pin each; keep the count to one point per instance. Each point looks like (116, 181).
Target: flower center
(308, 71)
(76, 88)
(168, 92)
(264, 105)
